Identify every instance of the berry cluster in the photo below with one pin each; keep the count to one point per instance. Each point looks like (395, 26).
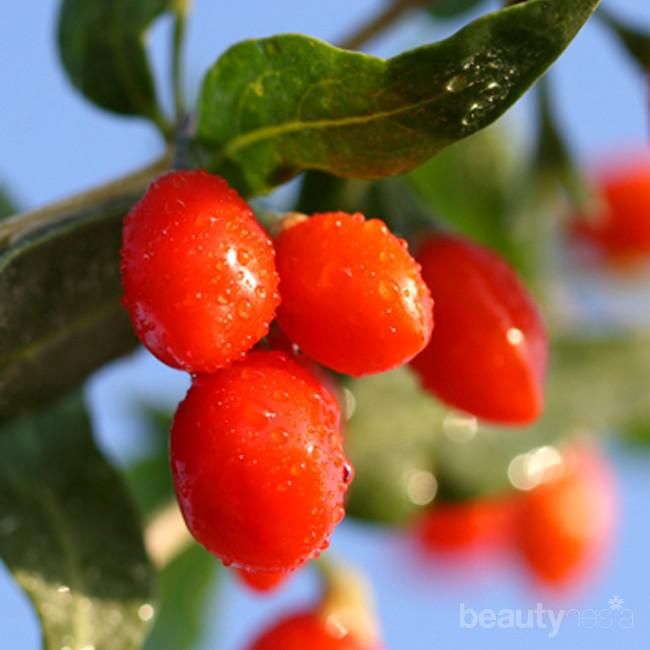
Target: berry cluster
(560, 528)
(256, 446)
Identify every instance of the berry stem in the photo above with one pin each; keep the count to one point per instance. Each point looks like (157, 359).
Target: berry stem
(347, 603)
(78, 205)
(166, 535)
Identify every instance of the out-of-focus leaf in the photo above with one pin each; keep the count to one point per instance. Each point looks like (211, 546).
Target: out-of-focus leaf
(7, 206)
(101, 43)
(390, 440)
(185, 586)
(149, 477)
(272, 107)
(452, 8)
(471, 188)
(635, 41)
(69, 533)
(188, 580)
(60, 288)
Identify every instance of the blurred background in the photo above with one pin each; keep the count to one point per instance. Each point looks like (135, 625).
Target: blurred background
(55, 144)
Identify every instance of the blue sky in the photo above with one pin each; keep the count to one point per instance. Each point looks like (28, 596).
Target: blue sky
(53, 144)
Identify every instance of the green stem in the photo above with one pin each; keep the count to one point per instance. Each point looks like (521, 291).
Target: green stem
(180, 27)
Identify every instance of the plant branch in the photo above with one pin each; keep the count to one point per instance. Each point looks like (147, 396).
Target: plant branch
(380, 22)
(178, 39)
(21, 224)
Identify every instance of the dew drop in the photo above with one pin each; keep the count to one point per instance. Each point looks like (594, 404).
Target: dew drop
(457, 83)
(348, 473)
(279, 436)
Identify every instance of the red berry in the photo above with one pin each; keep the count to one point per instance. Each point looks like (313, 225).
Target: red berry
(198, 272)
(458, 527)
(308, 631)
(353, 298)
(566, 523)
(620, 229)
(257, 463)
(263, 581)
(488, 353)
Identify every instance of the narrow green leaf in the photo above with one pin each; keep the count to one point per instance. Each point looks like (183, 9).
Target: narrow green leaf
(102, 48)
(185, 586)
(69, 533)
(60, 289)
(148, 477)
(635, 41)
(452, 8)
(272, 107)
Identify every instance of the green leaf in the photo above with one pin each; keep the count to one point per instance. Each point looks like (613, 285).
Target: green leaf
(635, 41)
(452, 8)
(102, 48)
(185, 586)
(69, 533)
(60, 289)
(272, 107)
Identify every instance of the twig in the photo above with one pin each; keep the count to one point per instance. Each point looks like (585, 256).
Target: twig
(380, 22)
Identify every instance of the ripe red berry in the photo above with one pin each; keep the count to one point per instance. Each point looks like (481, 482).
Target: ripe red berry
(567, 523)
(468, 525)
(488, 352)
(620, 229)
(257, 462)
(198, 272)
(308, 630)
(262, 581)
(352, 296)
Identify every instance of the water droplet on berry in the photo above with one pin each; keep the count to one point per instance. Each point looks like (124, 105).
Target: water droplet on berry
(338, 514)
(244, 257)
(386, 290)
(244, 308)
(348, 473)
(279, 436)
(281, 395)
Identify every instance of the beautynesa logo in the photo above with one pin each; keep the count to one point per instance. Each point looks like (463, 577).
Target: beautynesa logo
(615, 615)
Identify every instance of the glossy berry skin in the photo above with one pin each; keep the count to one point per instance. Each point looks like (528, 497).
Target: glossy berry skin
(263, 582)
(352, 296)
(488, 353)
(257, 463)
(307, 631)
(198, 271)
(620, 229)
(468, 525)
(566, 524)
